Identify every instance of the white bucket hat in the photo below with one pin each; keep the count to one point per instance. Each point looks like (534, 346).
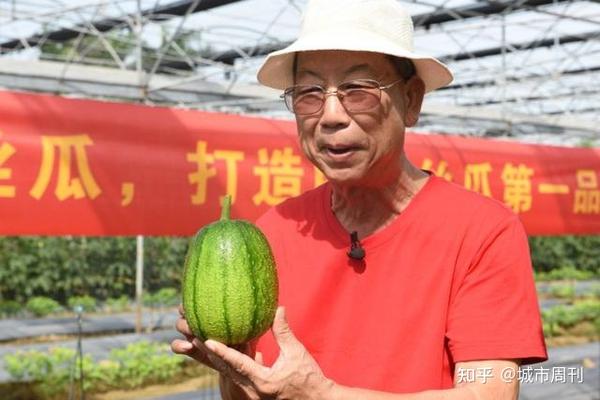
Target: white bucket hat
(379, 26)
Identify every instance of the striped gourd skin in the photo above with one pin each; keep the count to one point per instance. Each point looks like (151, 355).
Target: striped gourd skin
(230, 283)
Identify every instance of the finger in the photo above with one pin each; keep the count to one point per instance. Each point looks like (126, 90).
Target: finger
(187, 348)
(258, 357)
(242, 348)
(238, 362)
(221, 366)
(281, 330)
(180, 346)
(182, 326)
(228, 371)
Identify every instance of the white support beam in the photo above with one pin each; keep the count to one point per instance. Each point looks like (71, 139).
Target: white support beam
(564, 122)
(92, 81)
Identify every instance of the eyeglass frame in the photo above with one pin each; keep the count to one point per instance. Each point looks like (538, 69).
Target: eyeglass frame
(335, 92)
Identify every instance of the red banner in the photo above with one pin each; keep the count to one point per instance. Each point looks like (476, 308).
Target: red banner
(86, 167)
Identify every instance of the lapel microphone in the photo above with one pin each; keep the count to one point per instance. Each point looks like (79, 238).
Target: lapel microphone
(356, 252)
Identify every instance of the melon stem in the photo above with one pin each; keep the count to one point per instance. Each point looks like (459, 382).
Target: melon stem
(226, 208)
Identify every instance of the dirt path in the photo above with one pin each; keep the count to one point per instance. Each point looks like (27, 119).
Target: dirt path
(160, 390)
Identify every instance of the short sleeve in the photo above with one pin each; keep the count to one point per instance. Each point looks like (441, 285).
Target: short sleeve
(494, 313)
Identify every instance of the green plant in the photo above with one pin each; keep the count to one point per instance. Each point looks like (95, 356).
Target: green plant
(41, 306)
(62, 267)
(88, 303)
(148, 299)
(587, 142)
(567, 253)
(167, 297)
(559, 318)
(136, 365)
(50, 371)
(118, 304)
(594, 291)
(9, 308)
(564, 273)
(163, 297)
(143, 362)
(563, 291)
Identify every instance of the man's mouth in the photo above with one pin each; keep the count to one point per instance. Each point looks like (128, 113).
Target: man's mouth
(340, 150)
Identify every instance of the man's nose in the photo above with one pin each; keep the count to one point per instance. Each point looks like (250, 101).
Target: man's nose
(334, 113)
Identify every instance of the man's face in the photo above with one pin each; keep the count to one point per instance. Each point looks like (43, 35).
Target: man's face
(364, 147)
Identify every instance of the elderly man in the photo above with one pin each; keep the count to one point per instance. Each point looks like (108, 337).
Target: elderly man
(435, 299)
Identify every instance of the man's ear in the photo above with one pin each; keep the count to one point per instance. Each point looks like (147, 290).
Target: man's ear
(415, 91)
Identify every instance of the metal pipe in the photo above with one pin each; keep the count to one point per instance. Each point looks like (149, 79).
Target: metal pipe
(162, 13)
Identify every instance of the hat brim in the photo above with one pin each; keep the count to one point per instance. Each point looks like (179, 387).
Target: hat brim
(276, 71)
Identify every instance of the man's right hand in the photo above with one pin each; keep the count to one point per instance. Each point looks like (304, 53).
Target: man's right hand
(195, 348)
(190, 346)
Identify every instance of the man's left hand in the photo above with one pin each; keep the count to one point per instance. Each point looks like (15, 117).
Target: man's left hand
(294, 375)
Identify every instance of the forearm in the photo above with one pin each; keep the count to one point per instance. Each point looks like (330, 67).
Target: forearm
(492, 387)
(348, 393)
(496, 390)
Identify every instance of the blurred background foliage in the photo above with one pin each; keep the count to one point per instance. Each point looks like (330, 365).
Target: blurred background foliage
(64, 267)
(104, 268)
(565, 257)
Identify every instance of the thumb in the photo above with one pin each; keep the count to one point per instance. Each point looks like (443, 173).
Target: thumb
(281, 330)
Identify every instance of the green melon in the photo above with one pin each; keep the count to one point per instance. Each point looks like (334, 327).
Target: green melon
(229, 282)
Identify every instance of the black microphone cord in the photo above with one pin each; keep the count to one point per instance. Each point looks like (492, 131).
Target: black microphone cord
(356, 252)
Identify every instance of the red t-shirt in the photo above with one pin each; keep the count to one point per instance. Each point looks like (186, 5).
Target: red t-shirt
(449, 280)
